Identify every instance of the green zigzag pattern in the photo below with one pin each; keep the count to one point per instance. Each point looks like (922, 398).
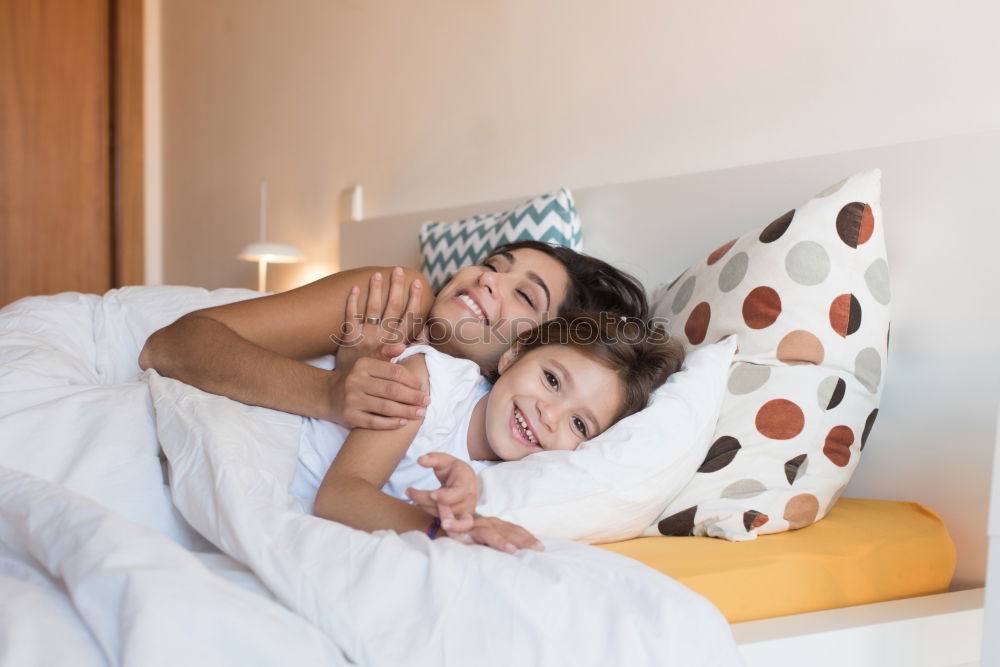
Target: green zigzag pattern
(466, 233)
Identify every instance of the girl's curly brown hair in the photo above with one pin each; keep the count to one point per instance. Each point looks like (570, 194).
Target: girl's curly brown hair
(642, 357)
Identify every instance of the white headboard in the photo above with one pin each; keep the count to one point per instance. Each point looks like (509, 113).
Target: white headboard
(933, 440)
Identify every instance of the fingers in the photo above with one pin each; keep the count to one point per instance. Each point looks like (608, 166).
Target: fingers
(394, 373)
(456, 525)
(522, 539)
(422, 499)
(436, 460)
(352, 313)
(453, 496)
(413, 299)
(492, 537)
(396, 393)
(503, 535)
(374, 306)
(367, 398)
(351, 326)
(452, 525)
(390, 351)
(374, 422)
(394, 305)
(380, 407)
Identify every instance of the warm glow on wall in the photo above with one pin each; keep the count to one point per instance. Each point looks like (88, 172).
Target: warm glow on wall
(312, 271)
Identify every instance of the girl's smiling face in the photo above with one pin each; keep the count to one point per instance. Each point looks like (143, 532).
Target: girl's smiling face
(481, 310)
(550, 398)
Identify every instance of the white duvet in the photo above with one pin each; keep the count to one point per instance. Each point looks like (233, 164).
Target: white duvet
(102, 563)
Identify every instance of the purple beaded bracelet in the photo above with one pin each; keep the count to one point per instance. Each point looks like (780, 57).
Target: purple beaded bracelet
(435, 527)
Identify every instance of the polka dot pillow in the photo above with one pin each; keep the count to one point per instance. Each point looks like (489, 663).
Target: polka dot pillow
(808, 297)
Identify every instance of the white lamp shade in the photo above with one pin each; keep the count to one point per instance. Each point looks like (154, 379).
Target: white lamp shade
(274, 253)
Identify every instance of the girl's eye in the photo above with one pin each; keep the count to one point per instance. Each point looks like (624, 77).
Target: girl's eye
(580, 426)
(490, 266)
(524, 295)
(552, 380)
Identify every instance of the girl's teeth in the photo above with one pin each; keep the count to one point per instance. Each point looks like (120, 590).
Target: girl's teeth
(524, 425)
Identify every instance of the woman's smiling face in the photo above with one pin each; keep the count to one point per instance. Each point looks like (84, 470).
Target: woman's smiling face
(478, 314)
(552, 398)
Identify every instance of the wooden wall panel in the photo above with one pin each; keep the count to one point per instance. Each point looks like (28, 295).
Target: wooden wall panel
(128, 192)
(55, 170)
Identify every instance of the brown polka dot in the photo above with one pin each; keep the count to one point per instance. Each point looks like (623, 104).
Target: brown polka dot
(680, 524)
(837, 395)
(753, 519)
(868, 427)
(720, 454)
(697, 323)
(800, 347)
(720, 252)
(801, 510)
(780, 419)
(761, 307)
(855, 224)
(795, 468)
(838, 445)
(845, 314)
(867, 225)
(774, 231)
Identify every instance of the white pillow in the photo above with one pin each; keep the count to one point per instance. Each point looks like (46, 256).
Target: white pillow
(614, 486)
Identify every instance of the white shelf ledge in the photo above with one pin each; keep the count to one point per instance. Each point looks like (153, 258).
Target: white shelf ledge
(929, 631)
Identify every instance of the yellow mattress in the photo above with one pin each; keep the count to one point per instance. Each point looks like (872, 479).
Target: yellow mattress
(863, 551)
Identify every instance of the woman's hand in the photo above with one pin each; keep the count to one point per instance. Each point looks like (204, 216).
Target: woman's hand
(377, 395)
(366, 390)
(370, 330)
(455, 502)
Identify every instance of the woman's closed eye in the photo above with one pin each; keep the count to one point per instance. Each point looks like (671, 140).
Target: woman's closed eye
(490, 265)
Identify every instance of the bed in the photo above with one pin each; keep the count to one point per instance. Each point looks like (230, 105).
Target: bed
(138, 534)
(220, 566)
(936, 203)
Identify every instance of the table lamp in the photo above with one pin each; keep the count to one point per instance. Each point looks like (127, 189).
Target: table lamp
(264, 252)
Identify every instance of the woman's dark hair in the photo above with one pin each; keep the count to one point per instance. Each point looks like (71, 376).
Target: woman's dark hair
(594, 285)
(641, 357)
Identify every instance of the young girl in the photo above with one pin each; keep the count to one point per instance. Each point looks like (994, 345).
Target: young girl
(560, 384)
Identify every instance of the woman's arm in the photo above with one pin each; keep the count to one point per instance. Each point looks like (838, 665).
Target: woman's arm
(250, 351)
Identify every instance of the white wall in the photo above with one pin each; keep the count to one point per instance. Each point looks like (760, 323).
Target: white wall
(445, 102)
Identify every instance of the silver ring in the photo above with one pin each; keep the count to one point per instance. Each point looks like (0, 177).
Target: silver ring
(372, 320)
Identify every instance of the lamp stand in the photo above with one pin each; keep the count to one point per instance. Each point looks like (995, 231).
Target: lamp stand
(262, 275)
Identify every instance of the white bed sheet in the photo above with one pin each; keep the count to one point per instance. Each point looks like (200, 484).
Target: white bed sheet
(94, 551)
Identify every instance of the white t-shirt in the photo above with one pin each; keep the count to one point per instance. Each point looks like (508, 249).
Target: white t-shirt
(456, 386)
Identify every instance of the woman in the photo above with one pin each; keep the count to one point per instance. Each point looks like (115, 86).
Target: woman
(251, 351)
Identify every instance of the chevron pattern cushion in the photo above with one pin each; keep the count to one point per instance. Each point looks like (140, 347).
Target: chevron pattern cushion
(447, 247)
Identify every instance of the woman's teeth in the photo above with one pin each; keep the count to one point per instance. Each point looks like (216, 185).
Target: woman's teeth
(473, 306)
(524, 427)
